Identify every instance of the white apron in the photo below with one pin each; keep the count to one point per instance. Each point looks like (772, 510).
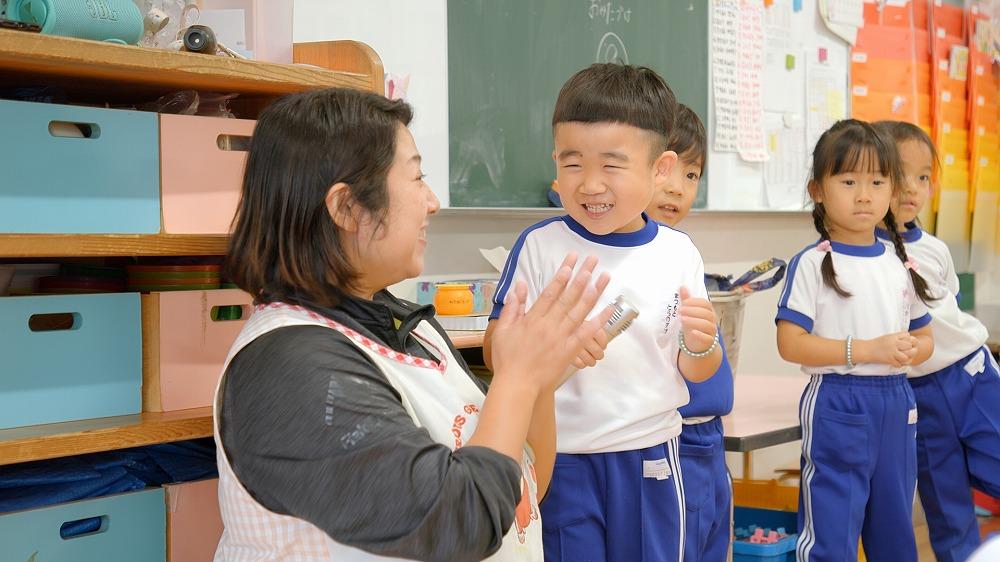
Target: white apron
(438, 396)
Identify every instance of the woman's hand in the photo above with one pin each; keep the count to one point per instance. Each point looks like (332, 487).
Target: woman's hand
(537, 347)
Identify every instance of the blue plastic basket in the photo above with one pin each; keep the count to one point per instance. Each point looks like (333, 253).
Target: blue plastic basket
(781, 551)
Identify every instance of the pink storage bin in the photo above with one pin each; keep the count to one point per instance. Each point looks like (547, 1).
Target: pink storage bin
(201, 171)
(184, 348)
(194, 525)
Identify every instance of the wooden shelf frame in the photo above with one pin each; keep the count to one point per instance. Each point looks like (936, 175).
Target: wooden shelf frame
(68, 61)
(92, 68)
(39, 442)
(101, 245)
(96, 72)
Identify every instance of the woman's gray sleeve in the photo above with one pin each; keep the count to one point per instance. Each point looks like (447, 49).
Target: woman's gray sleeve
(314, 430)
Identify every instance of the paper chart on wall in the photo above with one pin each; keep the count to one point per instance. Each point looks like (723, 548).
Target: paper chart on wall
(751, 68)
(846, 12)
(846, 31)
(783, 74)
(725, 76)
(785, 172)
(826, 103)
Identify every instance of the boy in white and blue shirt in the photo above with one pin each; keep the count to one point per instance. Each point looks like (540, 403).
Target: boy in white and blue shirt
(707, 485)
(616, 492)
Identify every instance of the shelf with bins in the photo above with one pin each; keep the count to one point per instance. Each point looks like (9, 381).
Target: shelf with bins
(48, 441)
(98, 73)
(94, 73)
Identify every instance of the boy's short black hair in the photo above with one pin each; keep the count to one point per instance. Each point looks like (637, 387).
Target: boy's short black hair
(688, 137)
(619, 93)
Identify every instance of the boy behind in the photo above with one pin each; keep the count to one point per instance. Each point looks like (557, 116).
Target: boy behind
(615, 493)
(703, 456)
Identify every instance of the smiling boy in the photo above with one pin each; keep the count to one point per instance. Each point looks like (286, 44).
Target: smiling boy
(616, 492)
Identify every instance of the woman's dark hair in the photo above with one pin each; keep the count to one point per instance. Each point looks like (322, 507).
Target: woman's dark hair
(285, 244)
(852, 145)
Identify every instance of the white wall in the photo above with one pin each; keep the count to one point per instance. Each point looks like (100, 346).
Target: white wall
(738, 184)
(412, 38)
(730, 243)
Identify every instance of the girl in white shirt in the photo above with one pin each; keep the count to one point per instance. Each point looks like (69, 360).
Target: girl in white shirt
(852, 314)
(958, 388)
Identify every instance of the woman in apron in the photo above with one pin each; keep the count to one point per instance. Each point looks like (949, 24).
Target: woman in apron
(348, 427)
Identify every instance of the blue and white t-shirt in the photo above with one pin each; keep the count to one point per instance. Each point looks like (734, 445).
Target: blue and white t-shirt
(629, 400)
(956, 333)
(883, 300)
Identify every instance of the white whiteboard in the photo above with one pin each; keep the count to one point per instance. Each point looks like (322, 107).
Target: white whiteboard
(735, 184)
(411, 37)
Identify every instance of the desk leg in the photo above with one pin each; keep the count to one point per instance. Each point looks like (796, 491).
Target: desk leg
(747, 465)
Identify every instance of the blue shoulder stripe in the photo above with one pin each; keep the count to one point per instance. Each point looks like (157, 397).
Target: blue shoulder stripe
(507, 277)
(793, 265)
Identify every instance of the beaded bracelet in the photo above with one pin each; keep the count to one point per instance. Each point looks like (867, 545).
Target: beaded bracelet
(850, 352)
(700, 354)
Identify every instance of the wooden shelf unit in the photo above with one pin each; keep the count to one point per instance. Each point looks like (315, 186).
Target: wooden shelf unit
(95, 72)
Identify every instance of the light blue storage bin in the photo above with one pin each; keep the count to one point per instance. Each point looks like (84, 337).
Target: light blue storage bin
(92, 370)
(108, 183)
(133, 528)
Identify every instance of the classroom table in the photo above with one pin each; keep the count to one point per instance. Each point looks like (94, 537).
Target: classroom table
(765, 413)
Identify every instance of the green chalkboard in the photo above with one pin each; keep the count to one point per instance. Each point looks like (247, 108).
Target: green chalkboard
(507, 60)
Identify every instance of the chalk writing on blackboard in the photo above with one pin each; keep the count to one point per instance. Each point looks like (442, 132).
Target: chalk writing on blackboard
(611, 49)
(609, 12)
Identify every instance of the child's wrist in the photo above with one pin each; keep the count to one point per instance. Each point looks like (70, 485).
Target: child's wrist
(699, 354)
(859, 351)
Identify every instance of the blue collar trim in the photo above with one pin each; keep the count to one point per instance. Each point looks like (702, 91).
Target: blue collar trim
(875, 249)
(644, 235)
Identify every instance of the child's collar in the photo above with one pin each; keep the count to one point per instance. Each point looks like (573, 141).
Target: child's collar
(875, 249)
(911, 234)
(620, 239)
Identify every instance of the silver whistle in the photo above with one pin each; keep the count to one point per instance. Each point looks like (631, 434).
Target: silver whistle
(622, 316)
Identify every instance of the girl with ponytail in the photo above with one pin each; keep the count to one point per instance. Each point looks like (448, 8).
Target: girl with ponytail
(958, 388)
(853, 314)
